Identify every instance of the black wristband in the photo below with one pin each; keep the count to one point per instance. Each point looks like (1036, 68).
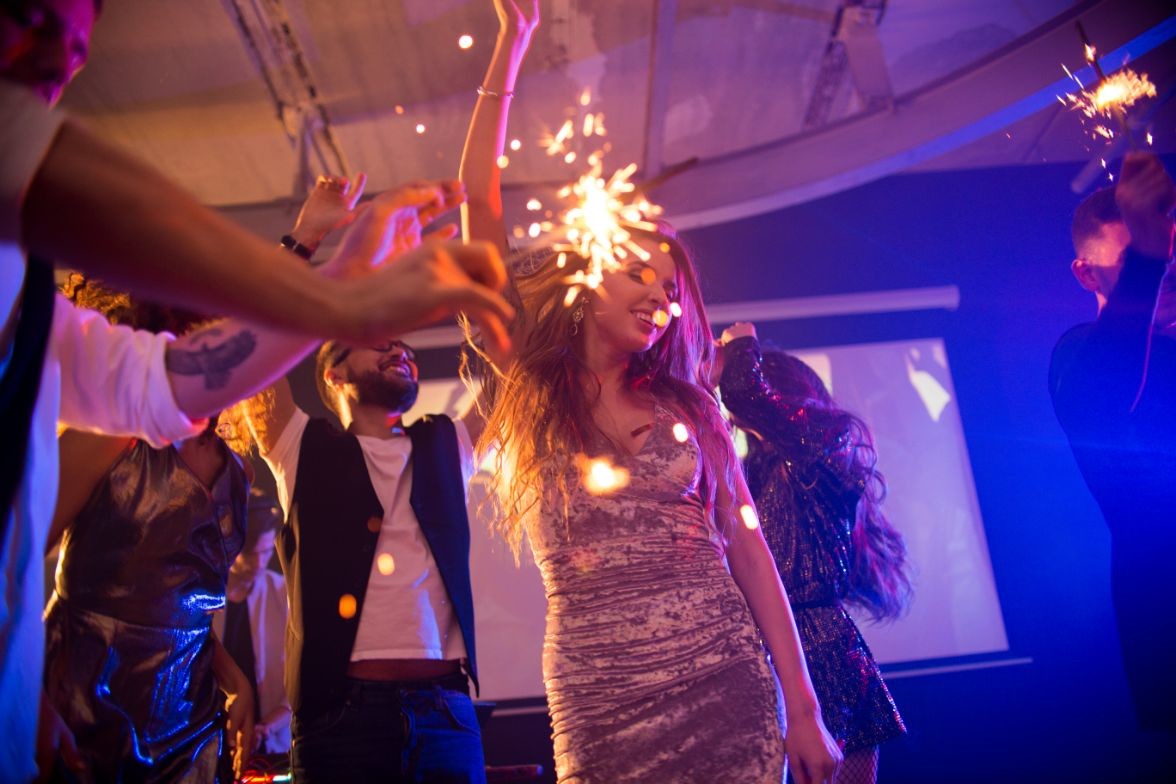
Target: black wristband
(294, 246)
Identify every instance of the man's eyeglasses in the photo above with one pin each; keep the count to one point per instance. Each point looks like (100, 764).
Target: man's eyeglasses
(405, 349)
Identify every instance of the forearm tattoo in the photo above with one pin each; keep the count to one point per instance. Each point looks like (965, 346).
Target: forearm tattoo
(214, 358)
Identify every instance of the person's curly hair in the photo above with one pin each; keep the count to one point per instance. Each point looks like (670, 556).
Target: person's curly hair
(120, 308)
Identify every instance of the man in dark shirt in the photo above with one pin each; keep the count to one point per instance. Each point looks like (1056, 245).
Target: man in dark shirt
(1113, 383)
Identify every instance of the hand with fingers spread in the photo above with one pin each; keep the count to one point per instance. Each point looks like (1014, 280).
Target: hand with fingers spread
(438, 279)
(392, 224)
(1145, 196)
(418, 205)
(329, 207)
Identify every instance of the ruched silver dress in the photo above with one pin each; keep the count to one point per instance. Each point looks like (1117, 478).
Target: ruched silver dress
(653, 666)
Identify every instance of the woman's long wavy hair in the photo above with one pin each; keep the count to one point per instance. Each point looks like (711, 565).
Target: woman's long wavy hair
(878, 579)
(121, 308)
(539, 409)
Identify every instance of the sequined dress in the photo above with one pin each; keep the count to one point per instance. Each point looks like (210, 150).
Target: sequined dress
(128, 648)
(807, 502)
(653, 666)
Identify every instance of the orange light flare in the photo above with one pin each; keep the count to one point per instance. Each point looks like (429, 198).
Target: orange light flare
(750, 518)
(600, 476)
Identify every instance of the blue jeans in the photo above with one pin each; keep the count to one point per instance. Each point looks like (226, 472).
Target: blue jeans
(392, 732)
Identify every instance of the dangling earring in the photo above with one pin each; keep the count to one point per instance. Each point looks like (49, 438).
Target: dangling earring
(577, 317)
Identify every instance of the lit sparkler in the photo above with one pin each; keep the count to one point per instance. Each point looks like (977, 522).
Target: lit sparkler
(600, 213)
(1110, 97)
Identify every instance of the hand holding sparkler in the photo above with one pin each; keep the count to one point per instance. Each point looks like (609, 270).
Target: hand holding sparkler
(1105, 104)
(1146, 196)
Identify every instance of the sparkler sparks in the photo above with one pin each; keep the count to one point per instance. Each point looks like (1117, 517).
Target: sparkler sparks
(1110, 99)
(600, 213)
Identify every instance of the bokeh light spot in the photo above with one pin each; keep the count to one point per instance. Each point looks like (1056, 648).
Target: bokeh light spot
(747, 512)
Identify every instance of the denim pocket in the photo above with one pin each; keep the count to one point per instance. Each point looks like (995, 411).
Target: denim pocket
(460, 710)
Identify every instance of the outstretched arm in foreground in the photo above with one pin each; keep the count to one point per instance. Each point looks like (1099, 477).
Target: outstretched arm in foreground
(131, 226)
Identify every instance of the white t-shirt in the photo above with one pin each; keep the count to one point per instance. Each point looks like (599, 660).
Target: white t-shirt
(267, 608)
(406, 610)
(95, 377)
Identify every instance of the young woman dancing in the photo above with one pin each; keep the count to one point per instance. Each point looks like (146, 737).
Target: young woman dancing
(811, 468)
(653, 665)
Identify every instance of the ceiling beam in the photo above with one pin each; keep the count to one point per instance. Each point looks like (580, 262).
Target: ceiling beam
(853, 39)
(276, 52)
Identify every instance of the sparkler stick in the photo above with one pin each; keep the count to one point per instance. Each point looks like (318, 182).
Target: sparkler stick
(1092, 58)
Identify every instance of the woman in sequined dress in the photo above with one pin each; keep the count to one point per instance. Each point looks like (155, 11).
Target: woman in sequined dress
(148, 536)
(652, 663)
(810, 467)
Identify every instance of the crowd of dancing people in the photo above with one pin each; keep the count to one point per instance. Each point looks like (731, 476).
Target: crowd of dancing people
(698, 623)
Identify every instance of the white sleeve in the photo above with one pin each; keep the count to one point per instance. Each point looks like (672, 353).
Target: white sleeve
(26, 134)
(113, 378)
(465, 448)
(283, 458)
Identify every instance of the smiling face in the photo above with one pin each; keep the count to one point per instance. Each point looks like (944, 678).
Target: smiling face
(630, 312)
(44, 43)
(383, 376)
